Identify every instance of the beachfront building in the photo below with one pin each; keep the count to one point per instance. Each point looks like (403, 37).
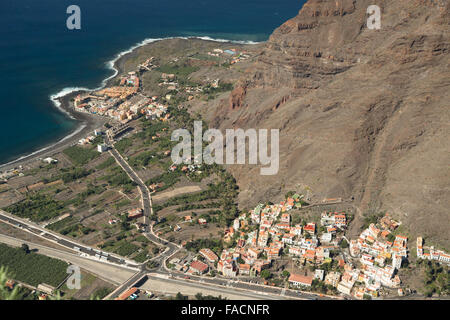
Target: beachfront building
(298, 280)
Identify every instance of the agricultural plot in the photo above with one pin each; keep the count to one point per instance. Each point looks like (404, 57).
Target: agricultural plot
(31, 267)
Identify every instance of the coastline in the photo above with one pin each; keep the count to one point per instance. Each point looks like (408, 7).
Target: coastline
(88, 122)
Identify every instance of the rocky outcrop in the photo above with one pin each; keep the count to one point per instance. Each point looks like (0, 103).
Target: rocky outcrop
(361, 112)
(237, 96)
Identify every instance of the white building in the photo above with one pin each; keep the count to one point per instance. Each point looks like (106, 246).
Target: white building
(236, 224)
(102, 148)
(50, 160)
(397, 261)
(319, 274)
(326, 237)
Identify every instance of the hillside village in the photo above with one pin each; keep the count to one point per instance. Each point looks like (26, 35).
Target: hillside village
(320, 257)
(324, 258)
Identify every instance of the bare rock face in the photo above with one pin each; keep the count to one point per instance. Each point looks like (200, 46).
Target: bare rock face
(362, 113)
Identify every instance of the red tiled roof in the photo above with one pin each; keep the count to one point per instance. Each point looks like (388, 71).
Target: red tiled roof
(199, 266)
(300, 279)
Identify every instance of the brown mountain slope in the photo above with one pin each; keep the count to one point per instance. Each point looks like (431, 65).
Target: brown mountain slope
(361, 112)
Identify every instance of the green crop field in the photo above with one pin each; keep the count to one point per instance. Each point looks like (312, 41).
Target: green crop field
(37, 207)
(81, 156)
(32, 268)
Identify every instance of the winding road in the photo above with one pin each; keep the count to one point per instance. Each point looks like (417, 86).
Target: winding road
(106, 264)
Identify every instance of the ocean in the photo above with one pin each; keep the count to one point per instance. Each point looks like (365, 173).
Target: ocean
(40, 58)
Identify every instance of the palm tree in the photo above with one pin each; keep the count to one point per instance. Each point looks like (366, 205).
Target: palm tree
(5, 293)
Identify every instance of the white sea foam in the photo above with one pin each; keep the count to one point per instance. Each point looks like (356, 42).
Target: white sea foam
(110, 65)
(79, 129)
(55, 98)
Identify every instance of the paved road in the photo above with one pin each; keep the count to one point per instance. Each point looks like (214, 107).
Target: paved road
(281, 293)
(63, 241)
(218, 284)
(146, 200)
(174, 285)
(105, 271)
(171, 248)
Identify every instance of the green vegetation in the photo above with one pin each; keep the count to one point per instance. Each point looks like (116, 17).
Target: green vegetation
(37, 207)
(215, 245)
(76, 230)
(118, 178)
(122, 247)
(437, 278)
(179, 70)
(100, 293)
(73, 174)
(59, 225)
(81, 156)
(106, 164)
(32, 268)
(143, 159)
(98, 140)
(224, 192)
(371, 217)
(142, 239)
(179, 296)
(266, 274)
(123, 145)
(122, 203)
(141, 257)
(320, 286)
(343, 244)
(285, 274)
(200, 296)
(90, 190)
(212, 92)
(150, 128)
(167, 178)
(24, 293)
(5, 292)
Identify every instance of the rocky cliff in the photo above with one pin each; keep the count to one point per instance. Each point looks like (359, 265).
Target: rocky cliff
(362, 113)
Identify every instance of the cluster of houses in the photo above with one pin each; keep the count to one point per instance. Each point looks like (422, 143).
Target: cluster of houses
(430, 253)
(379, 258)
(171, 83)
(135, 213)
(235, 55)
(185, 168)
(8, 174)
(121, 108)
(123, 102)
(169, 80)
(86, 141)
(42, 292)
(373, 262)
(275, 233)
(147, 65)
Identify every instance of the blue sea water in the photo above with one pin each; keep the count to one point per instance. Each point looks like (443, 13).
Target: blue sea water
(39, 56)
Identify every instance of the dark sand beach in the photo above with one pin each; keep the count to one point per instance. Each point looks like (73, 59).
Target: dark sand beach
(87, 123)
